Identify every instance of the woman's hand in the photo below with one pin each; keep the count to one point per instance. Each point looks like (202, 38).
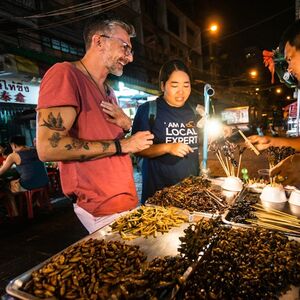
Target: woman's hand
(179, 149)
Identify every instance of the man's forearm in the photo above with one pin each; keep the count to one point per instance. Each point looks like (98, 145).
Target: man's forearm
(58, 148)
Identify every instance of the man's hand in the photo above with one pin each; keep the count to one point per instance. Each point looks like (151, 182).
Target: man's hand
(179, 149)
(116, 115)
(138, 142)
(260, 142)
(289, 170)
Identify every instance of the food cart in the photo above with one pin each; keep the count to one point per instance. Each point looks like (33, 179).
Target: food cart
(199, 250)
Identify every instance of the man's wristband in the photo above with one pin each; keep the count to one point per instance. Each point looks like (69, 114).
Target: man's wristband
(118, 147)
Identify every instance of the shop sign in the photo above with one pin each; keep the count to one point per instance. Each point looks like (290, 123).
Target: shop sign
(18, 92)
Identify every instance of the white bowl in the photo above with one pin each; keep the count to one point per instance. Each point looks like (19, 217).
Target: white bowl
(233, 184)
(295, 197)
(273, 194)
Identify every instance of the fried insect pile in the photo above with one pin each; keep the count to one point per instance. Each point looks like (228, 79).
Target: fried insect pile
(194, 194)
(242, 264)
(92, 269)
(243, 209)
(277, 154)
(97, 269)
(147, 221)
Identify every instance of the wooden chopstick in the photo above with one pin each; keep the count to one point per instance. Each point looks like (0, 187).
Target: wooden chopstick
(249, 143)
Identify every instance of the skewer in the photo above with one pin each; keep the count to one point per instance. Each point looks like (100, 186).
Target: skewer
(216, 198)
(222, 164)
(270, 226)
(249, 143)
(277, 217)
(259, 206)
(268, 220)
(239, 165)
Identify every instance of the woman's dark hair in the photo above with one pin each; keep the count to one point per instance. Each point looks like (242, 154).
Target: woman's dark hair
(169, 67)
(292, 36)
(19, 140)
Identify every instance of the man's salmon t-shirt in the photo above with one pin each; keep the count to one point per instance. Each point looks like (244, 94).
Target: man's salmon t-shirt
(103, 186)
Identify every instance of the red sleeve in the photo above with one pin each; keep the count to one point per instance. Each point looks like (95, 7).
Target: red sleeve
(59, 87)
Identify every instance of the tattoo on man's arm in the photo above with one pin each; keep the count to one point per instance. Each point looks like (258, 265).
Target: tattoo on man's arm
(54, 123)
(54, 139)
(77, 144)
(105, 146)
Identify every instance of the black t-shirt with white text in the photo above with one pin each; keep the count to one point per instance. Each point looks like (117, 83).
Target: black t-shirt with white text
(172, 125)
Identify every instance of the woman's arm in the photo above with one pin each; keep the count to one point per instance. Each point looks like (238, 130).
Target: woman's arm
(176, 149)
(7, 164)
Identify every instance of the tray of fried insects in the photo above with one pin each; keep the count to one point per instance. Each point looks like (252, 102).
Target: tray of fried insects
(135, 257)
(240, 263)
(197, 196)
(248, 210)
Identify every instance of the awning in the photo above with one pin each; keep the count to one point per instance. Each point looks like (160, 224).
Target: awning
(15, 64)
(134, 84)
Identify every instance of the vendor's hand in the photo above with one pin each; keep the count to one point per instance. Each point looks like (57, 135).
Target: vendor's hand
(179, 149)
(260, 142)
(137, 142)
(227, 131)
(288, 170)
(116, 115)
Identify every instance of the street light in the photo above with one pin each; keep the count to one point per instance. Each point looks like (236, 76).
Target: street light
(213, 29)
(253, 73)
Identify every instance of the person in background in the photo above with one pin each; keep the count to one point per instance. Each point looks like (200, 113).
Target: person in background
(81, 125)
(174, 154)
(290, 46)
(31, 170)
(2, 150)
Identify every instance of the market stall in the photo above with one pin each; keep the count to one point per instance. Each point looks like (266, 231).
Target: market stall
(194, 240)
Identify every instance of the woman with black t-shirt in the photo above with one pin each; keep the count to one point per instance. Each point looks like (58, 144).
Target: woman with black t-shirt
(174, 154)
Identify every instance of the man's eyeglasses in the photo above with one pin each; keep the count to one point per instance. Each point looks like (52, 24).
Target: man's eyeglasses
(127, 49)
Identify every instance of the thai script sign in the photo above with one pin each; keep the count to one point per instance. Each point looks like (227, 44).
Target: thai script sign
(18, 92)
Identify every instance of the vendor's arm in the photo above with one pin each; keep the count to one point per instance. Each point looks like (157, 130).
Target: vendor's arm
(176, 149)
(54, 142)
(288, 169)
(7, 164)
(264, 142)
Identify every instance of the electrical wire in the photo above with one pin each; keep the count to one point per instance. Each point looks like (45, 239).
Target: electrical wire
(112, 4)
(82, 17)
(71, 9)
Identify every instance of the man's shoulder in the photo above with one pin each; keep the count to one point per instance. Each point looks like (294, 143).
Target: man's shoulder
(61, 67)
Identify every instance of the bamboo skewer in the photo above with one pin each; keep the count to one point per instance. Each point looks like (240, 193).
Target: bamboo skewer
(258, 206)
(216, 198)
(249, 143)
(222, 164)
(277, 217)
(270, 226)
(268, 220)
(239, 165)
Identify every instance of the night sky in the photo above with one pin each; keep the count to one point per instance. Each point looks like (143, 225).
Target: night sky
(243, 23)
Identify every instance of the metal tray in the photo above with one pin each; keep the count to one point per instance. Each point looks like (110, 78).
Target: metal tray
(284, 207)
(163, 245)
